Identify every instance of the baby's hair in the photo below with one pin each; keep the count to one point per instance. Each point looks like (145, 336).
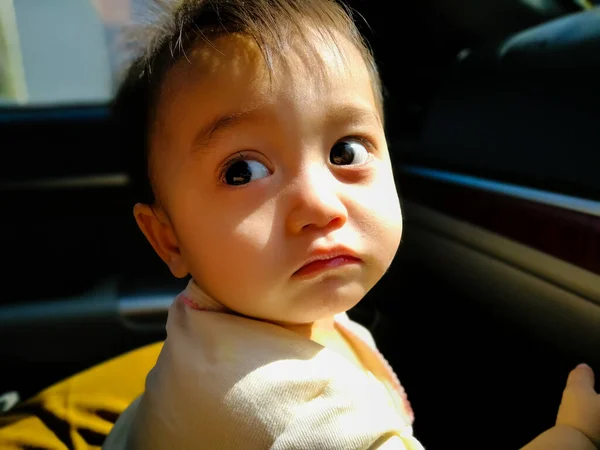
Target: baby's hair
(176, 27)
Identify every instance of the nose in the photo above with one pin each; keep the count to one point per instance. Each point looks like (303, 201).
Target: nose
(314, 201)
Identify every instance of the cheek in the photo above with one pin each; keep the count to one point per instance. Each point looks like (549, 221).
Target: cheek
(379, 215)
(225, 245)
(389, 221)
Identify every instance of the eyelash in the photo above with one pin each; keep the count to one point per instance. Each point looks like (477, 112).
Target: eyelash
(237, 157)
(243, 156)
(363, 140)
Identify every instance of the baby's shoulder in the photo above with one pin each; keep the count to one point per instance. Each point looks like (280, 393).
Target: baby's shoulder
(239, 357)
(239, 381)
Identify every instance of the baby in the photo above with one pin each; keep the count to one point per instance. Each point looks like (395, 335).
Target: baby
(257, 127)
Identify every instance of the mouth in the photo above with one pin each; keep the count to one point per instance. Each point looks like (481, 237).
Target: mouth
(326, 261)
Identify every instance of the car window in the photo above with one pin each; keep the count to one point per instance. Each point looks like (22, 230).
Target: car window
(60, 52)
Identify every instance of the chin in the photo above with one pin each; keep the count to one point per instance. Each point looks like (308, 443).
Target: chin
(329, 298)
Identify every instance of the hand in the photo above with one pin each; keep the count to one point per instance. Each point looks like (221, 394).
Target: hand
(580, 404)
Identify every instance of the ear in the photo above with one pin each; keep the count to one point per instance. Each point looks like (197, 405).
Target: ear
(155, 225)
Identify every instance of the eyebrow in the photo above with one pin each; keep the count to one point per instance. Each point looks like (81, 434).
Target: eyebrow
(340, 114)
(206, 134)
(354, 114)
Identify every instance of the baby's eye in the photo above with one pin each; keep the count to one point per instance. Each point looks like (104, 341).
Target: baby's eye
(349, 151)
(244, 171)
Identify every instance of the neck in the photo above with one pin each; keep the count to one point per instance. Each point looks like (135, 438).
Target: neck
(318, 331)
(313, 330)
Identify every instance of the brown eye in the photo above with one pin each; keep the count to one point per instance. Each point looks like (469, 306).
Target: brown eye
(244, 171)
(349, 152)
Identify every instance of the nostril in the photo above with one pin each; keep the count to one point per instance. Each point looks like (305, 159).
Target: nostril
(329, 222)
(336, 222)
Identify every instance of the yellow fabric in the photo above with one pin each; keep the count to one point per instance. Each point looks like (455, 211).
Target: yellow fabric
(79, 412)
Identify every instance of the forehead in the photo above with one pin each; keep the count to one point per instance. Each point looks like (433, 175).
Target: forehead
(230, 74)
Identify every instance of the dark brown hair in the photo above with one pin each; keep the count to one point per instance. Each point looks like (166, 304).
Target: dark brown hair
(177, 26)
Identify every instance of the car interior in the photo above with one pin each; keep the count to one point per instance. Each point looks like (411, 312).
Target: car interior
(492, 120)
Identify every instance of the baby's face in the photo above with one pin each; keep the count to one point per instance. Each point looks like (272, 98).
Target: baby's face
(258, 175)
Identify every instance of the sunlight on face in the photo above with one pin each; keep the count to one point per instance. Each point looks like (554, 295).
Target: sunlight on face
(260, 174)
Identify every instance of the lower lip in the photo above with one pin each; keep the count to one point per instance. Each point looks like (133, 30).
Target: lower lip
(326, 264)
